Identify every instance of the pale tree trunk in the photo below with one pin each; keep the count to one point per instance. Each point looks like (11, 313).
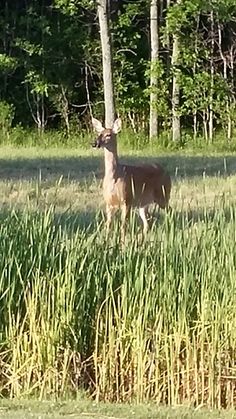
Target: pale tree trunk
(103, 17)
(195, 127)
(229, 121)
(168, 61)
(65, 109)
(211, 114)
(232, 84)
(175, 90)
(205, 125)
(153, 124)
(175, 87)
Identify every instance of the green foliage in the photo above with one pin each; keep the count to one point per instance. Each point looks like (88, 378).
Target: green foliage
(6, 118)
(7, 63)
(124, 28)
(197, 91)
(161, 90)
(28, 47)
(38, 85)
(70, 7)
(181, 15)
(67, 6)
(130, 58)
(50, 62)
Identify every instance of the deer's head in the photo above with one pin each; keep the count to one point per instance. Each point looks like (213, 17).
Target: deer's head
(106, 136)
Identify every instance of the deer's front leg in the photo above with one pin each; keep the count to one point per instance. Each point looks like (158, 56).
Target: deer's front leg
(125, 210)
(109, 213)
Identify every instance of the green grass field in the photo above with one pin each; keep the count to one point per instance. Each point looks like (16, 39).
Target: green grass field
(85, 409)
(151, 321)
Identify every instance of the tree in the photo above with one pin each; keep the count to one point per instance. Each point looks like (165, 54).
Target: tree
(103, 16)
(175, 85)
(51, 72)
(153, 124)
(212, 71)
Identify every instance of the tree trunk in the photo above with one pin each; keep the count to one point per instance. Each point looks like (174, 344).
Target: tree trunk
(175, 90)
(211, 115)
(168, 55)
(229, 121)
(195, 122)
(103, 17)
(205, 125)
(232, 86)
(153, 124)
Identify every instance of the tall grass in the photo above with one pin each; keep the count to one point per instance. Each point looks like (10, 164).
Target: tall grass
(151, 319)
(128, 140)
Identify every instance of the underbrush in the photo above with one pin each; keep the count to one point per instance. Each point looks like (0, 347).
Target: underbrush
(127, 140)
(148, 319)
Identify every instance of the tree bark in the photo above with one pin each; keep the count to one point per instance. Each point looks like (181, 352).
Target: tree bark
(223, 57)
(211, 114)
(168, 55)
(175, 90)
(232, 86)
(103, 17)
(154, 35)
(195, 123)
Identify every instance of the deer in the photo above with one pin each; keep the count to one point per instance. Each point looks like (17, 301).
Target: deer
(128, 186)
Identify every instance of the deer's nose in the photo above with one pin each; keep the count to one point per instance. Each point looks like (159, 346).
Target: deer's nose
(97, 143)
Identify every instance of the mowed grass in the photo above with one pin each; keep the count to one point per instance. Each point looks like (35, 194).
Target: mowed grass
(90, 410)
(148, 320)
(71, 178)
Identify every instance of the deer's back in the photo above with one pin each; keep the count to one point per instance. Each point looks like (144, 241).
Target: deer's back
(138, 186)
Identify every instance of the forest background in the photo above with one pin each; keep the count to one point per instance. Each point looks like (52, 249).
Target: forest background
(51, 72)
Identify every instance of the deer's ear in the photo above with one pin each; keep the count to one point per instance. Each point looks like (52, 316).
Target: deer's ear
(117, 126)
(97, 125)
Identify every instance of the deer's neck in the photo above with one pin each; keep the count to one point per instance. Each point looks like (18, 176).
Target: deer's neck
(111, 161)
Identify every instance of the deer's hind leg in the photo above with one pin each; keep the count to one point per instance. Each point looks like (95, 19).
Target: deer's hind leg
(162, 196)
(143, 212)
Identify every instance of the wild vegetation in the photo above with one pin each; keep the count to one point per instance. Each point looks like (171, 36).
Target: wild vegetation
(151, 320)
(51, 72)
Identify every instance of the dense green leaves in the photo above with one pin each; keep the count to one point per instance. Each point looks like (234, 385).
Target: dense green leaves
(51, 72)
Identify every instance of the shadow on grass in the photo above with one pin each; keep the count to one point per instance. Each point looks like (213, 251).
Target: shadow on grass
(51, 169)
(83, 168)
(190, 166)
(184, 219)
(93, 221)
(89, 221)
